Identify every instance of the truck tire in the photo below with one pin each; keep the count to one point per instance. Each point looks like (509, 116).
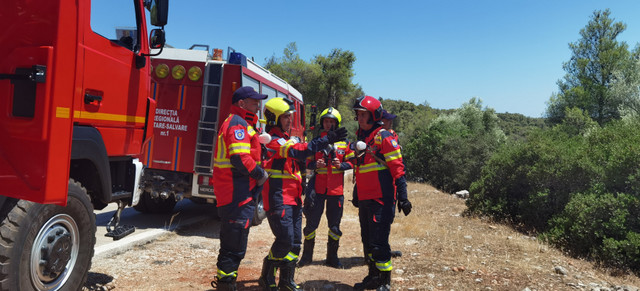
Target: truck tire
(155, 205)
(46, 246)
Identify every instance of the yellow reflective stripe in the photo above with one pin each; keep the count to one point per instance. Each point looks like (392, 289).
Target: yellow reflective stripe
(239, 147)
(371, 167)
(222, 274)
(63, 112)
(336, 171)
(310, 236)
(251, 131)
(350, 155)
(290, 257)
(222, 163)
(221, 147)
(322, 171)
(284, 149)
(340, 144)
(333, 235)
(279, 175)
(385, 267)
(392, 155)
(108, 116)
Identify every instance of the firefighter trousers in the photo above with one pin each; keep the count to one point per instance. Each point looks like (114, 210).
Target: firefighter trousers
(334, 204)
(286, 224)
(235, 222)
(375, 226)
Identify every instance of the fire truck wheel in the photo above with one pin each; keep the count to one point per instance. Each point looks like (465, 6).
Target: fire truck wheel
(155, 205)
(45, 246)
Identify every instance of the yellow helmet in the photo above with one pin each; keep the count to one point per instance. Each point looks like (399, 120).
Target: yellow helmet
(276, 107)
(331, 113)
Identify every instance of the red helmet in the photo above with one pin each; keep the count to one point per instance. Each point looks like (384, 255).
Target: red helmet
(368, 103)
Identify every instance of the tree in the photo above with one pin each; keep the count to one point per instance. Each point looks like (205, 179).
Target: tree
(598, 62)
(337, 72)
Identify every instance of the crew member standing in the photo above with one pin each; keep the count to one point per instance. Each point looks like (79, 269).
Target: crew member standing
(387, 123)
(379, 176)
(238, 181)
(329, 166)
(283, 191)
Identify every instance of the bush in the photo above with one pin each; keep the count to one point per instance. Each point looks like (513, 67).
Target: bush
(559, 181)
(603, 227)
(453, 149)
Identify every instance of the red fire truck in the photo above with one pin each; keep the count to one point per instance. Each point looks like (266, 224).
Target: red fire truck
(193, 91)
(74, 102)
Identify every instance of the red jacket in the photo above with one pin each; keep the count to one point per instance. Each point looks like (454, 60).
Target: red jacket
(237, 154)
(375, 178)
(330, 179)
(284, 186)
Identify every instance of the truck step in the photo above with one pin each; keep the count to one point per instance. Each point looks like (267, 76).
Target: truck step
(121, 231)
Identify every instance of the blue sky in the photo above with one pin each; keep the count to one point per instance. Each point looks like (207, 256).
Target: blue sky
(507, 53)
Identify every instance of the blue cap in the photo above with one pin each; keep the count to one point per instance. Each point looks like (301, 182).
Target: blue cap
(247, 92)
(387, 115)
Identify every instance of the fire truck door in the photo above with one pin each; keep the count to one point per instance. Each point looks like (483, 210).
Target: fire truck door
(114, 86)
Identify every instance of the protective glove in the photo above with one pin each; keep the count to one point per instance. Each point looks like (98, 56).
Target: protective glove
(260, 175)
(404, 206)
(339, 134)
(354, 200)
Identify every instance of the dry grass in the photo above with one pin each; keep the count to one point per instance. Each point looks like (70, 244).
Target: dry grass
(446, 251)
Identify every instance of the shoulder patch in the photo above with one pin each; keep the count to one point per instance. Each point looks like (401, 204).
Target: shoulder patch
(282, 141)
(394, 143)
(239, 134)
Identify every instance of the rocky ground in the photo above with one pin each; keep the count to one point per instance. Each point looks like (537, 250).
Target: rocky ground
(442, 250)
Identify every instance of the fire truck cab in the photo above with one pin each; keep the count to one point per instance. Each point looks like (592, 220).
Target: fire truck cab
(74, 108)
(193, 91)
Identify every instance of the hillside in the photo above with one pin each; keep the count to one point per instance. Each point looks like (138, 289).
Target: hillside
(442, 250)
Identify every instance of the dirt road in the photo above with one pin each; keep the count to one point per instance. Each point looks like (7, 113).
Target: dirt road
(442, 250)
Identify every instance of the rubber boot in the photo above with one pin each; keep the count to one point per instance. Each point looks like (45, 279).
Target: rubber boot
(268, 276)
(287, 274)
(371, 280)
(307, 253)
(224, 284)
(332, 254)
(384, 281)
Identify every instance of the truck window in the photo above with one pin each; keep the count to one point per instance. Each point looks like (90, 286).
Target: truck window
(116, 21)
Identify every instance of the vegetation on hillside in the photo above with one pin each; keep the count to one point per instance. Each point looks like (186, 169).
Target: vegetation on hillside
(573, 176)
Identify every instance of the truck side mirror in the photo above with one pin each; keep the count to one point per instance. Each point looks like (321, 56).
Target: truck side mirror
(156, 39)
(159, 12)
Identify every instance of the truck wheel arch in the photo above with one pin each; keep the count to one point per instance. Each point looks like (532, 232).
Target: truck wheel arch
(89, 159)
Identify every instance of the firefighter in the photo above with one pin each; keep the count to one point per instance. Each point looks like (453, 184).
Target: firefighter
(238, 181)
(387, 123)
(329, 166)
(283, 191)
(378, 162)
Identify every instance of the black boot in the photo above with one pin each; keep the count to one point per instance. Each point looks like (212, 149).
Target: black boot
(332, 254)
(268, 276)
(227, 283)
(384, 281)
(287, 274)
(307, 253)
(371, 280)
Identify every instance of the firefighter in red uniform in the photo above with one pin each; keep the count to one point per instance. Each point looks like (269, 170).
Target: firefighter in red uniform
(326, 185)
(237, 180)
(283, 191)
(380, 165)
